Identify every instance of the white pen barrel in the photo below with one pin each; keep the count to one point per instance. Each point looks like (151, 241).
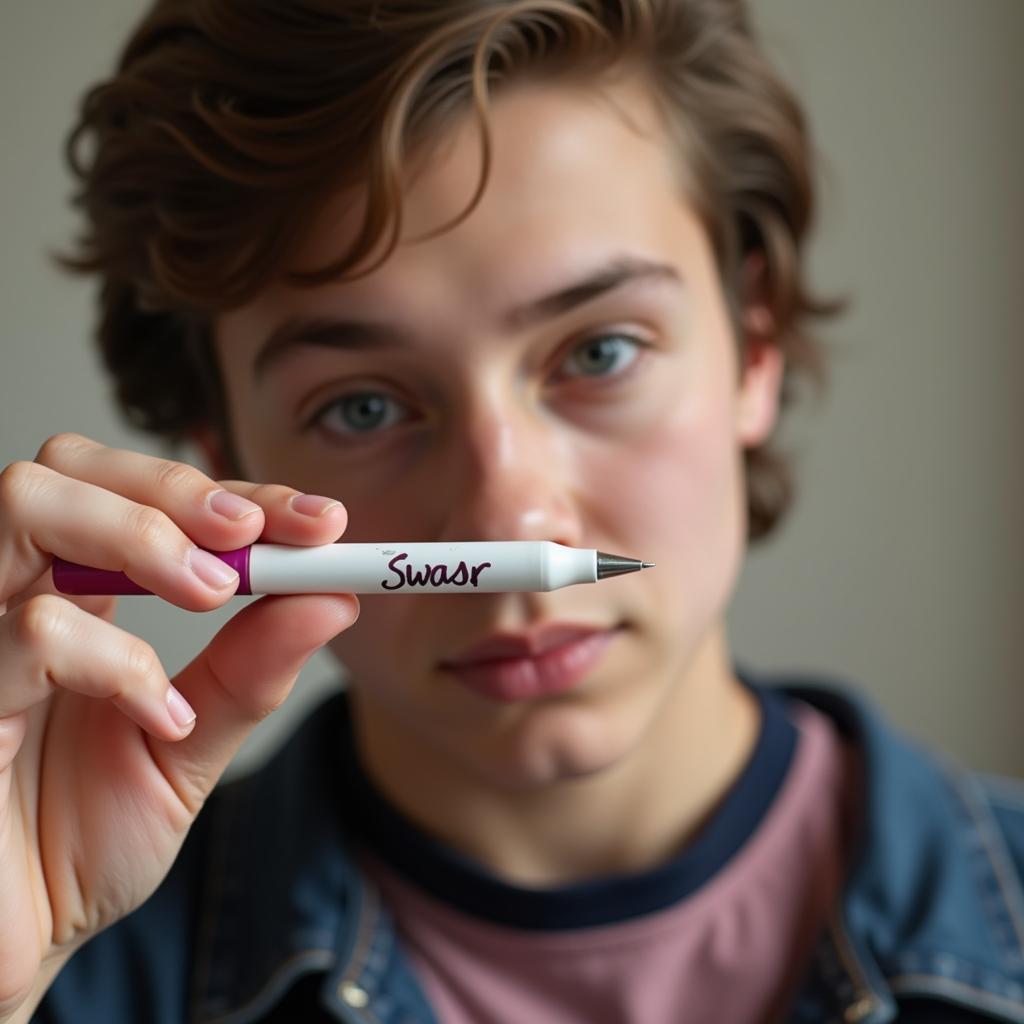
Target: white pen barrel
(437, 568)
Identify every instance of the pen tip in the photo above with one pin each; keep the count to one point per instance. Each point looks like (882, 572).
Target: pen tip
(615, 565)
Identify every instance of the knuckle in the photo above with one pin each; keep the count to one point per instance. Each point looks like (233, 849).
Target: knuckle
(39, 622)
(55, 449)
(141, 660)
(149, 526)
(16, 480)
(176, 476)
(268, 495)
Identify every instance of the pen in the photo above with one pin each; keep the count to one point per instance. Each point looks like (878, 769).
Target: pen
(436, 568)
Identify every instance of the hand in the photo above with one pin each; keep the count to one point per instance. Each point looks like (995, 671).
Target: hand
(101, 770)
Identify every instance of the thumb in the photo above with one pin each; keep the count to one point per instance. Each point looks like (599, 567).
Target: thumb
(245, 672)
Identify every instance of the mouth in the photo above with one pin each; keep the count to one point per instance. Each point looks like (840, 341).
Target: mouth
(523, 666)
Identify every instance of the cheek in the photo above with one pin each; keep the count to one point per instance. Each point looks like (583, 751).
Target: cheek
(678, 500)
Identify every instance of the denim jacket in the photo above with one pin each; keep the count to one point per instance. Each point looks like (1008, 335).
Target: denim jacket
(265, 905)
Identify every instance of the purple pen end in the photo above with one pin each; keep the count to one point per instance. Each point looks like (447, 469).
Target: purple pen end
(71, 578)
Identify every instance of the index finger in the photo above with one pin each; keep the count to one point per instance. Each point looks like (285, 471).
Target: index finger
(43, 513)
(220, 516)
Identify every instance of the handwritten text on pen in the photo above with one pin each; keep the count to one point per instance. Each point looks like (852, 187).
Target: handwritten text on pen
(432, 575)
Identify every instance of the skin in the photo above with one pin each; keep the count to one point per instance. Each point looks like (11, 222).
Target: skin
(494, 430)
(99, 783)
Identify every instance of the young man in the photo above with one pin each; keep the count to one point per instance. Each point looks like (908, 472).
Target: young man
(479, 271)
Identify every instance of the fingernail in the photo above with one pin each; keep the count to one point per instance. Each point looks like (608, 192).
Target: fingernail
(232, 506)
(179, 709)
(210, 569)
(312, 504)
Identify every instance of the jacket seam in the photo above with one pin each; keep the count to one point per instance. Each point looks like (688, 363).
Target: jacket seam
(844, 950)
(1006, 792)
(287, 971)
(211, 904)
(959, 992)
(360, 956)
(998, 857)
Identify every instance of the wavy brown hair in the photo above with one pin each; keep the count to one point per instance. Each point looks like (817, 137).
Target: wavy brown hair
(204, 159)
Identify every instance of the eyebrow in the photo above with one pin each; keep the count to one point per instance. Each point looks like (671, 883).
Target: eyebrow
(612, 275)
(356, 335)
(320, 332)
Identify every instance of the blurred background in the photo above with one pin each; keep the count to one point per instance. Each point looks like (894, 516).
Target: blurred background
(901, 568)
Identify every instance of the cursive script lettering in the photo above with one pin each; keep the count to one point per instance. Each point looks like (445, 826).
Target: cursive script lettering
(432, 575)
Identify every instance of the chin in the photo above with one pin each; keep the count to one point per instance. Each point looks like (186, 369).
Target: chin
(564, 744)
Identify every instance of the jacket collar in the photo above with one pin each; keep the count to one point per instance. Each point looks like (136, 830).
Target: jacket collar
(932, 906)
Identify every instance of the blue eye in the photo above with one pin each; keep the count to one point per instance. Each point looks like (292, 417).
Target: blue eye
(361, 412)
(602, 356)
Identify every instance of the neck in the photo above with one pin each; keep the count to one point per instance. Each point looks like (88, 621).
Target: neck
(627, 817)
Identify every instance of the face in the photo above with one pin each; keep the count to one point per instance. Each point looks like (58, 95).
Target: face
(559, 366)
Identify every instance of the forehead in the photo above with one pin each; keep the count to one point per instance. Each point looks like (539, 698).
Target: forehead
(581, 173)
(562, 152)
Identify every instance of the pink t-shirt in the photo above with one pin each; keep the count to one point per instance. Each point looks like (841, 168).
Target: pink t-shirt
(732, 951)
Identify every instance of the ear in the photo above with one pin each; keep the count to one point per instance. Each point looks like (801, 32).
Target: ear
(757, 405)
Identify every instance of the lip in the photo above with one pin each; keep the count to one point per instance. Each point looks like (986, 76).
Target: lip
(518, 645)
(522, 666)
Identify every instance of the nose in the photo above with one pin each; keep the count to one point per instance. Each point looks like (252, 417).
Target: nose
(511, 476)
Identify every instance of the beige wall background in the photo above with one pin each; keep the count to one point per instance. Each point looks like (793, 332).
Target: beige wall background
(902, 567)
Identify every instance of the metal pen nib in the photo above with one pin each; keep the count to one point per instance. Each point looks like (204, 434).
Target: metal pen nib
(616, 565)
